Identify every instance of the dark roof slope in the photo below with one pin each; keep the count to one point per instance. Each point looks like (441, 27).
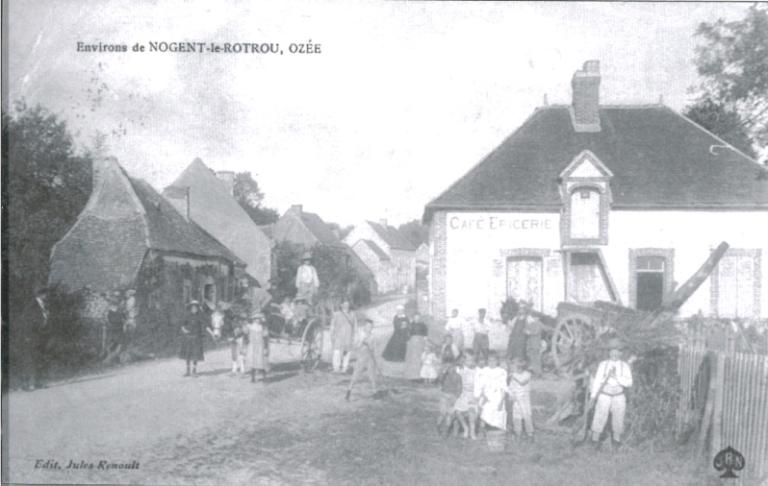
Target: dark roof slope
(392, 237)
(169, 231)
(659, 159)
(322, 231)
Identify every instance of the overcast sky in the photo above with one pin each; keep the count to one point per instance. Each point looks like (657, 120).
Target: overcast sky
(403, 99)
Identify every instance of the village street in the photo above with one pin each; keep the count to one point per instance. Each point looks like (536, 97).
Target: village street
(297, 429)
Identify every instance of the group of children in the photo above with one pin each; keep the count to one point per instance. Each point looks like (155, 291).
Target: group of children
(479, 394)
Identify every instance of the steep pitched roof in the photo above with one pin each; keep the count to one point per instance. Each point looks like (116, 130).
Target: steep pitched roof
(214, 209)
(169, 231)
(123, 219)
(320, 229)
(392, 237)
(659, 159)
(377, 250)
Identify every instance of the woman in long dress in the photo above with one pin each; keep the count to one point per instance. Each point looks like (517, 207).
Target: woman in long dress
(415, 347)
(396, 346)
(343, 327)
(192, 337)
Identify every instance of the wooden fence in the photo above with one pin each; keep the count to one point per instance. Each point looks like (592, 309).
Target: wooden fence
(724, 402)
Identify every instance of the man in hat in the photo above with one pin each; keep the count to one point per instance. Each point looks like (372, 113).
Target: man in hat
(307, 282)
(192, 337)
(607, 390)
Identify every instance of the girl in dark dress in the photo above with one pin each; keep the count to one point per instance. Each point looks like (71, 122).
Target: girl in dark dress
(192, 337)
(395, 349)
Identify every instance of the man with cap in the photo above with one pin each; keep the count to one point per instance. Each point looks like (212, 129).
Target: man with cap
(192, 330)
(307, 281)
(607, 390)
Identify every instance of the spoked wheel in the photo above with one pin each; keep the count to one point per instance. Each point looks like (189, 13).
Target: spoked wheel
(572, 333)
(312, 345)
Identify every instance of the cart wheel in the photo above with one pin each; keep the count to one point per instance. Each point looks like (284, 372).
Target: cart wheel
(572, 333)
(312, 345)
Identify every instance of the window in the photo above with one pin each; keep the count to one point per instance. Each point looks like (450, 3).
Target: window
(525, 279)
(585, 218)
(585, 214)
(650, 277)
(736, 284)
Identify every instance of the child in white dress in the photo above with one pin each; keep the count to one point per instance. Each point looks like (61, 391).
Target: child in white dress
(429, 364)
(490, 391)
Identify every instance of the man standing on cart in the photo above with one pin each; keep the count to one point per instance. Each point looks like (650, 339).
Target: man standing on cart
(307, 282)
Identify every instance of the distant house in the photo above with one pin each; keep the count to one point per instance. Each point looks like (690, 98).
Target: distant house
(400, 272)
(308, 230)
(128, 237)
(213, 206)
(378, 262)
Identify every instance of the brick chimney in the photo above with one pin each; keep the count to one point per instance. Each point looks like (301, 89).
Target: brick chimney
(298, 208)
(383, 222)
(228, 178)
(585, 112)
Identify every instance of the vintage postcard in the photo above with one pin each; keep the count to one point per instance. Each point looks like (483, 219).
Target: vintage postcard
(384, 243)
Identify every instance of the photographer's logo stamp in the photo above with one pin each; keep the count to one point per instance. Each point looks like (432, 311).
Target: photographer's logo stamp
(729, 460)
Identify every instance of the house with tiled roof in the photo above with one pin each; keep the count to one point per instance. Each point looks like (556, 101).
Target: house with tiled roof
(587, 202)
(309, 230)
(128, 237)
(209, 198)
(370, 239)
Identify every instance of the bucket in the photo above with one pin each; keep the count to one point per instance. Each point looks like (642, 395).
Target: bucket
(496, 440)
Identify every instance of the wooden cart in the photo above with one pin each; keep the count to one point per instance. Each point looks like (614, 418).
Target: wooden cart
(579, 325)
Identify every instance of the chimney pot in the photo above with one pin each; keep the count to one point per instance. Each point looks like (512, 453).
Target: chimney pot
(299, 208)
(383, 222)
(586, 97)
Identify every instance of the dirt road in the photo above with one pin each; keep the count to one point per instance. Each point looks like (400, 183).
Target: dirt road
(296, 429)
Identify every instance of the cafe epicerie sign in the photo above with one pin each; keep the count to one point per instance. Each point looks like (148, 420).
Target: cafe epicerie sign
(503, 222)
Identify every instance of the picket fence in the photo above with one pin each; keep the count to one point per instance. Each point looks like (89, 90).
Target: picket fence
(724, 402)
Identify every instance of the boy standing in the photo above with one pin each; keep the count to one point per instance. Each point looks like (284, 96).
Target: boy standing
(519, 392)
(466, 403)
(450, 390)
(480, 342)
(365, 358)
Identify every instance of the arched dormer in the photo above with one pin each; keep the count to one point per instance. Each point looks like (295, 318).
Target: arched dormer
(586, 197)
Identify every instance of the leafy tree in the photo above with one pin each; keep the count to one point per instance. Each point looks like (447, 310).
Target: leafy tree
(46, 185)
(250, 197)
(733, 95)
(416, 232)
(341, 231)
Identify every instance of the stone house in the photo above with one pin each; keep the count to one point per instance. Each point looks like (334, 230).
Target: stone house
(396, 273)
(128, 237)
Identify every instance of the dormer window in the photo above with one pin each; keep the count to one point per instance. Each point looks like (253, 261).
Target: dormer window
(585, 213)
(586, 200)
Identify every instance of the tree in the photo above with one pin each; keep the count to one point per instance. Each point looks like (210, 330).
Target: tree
(416, 232)
(733, 95)
(46, 185)
(250, 197)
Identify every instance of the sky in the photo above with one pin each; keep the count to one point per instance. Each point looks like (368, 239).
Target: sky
(402, 100)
